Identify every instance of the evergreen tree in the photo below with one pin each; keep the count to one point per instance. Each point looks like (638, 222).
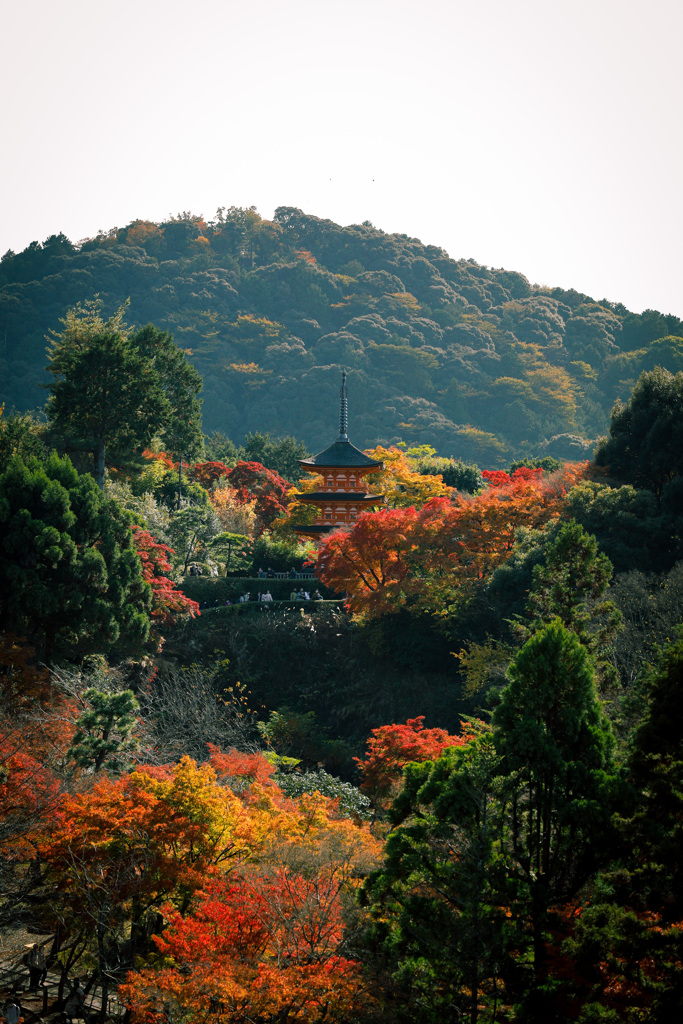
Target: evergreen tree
(656, 770)
(436, 904)
(104, 732)
(70, 576)
(281, 455)
(555, 745)
(114, 391)
(181, 432)
(645, 443)
(570, 585)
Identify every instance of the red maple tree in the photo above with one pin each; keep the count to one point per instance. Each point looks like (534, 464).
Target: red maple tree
(252, 481)
(391, 747)
(206, 473)
(168, 603)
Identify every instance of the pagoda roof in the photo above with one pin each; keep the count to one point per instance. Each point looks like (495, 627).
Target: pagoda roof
(342, 496)
(340, 455)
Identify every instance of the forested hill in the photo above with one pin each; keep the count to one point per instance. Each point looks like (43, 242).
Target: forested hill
(476, 361)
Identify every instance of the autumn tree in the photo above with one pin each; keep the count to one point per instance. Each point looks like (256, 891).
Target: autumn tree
(157, 836)
(253, 482)
(401, 483)
(256, 947)
(391, 747)
(433, 559)
(207, 473)
(235, 516)
(168, 603)
(36, 725)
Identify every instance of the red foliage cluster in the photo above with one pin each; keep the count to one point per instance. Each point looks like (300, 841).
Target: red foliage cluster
(206, 473)
(234, 764)
(434, 557)
(392, 747)
(27, 786)
(251, 480)
(161, 457)
(499, 478)
(168, 603)
(256, 947)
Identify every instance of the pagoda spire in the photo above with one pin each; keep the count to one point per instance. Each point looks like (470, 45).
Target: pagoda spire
(343, 411)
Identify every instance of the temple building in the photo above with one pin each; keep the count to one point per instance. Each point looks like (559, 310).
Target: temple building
(343, 468)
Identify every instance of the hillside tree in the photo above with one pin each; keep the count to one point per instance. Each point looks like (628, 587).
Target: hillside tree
(70, 577)
(114, 389)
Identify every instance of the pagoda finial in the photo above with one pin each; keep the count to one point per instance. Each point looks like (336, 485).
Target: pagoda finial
(344, 411)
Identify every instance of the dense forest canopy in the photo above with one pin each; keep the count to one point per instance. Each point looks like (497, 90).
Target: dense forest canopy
(429, 769)
(476, 361)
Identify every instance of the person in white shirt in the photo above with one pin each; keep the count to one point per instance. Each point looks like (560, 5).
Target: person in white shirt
(12, 1011)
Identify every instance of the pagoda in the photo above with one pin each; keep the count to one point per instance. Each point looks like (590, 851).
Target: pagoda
(342, 467)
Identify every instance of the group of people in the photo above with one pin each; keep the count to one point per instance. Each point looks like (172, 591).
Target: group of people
(35, 959)
(295, 595)
(303, 595)
(265, 596)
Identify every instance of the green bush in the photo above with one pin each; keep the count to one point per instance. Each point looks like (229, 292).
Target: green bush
(464, 476)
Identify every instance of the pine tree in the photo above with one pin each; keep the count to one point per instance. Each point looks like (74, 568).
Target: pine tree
(556, 745)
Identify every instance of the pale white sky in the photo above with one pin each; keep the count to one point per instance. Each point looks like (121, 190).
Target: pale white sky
(539, 135)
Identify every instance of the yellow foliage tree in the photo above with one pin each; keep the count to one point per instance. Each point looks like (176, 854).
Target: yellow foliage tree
(400, 484)
(234, 516)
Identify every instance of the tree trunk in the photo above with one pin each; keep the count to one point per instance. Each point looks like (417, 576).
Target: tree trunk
(180, 479)
(539, 919)
(99, 454)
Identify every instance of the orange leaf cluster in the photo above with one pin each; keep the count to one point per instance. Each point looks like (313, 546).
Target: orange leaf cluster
(391, 747)
(431, 559)
(260, 946)
(250, 883)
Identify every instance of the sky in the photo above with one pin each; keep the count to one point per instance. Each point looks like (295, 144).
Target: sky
(542, 136)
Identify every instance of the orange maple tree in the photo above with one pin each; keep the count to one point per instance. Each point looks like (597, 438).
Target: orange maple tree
(177, 836)
(432, 559)
(259, 946)
(391, 747)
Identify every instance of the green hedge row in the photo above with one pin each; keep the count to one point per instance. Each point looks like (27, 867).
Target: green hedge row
(254, 607)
